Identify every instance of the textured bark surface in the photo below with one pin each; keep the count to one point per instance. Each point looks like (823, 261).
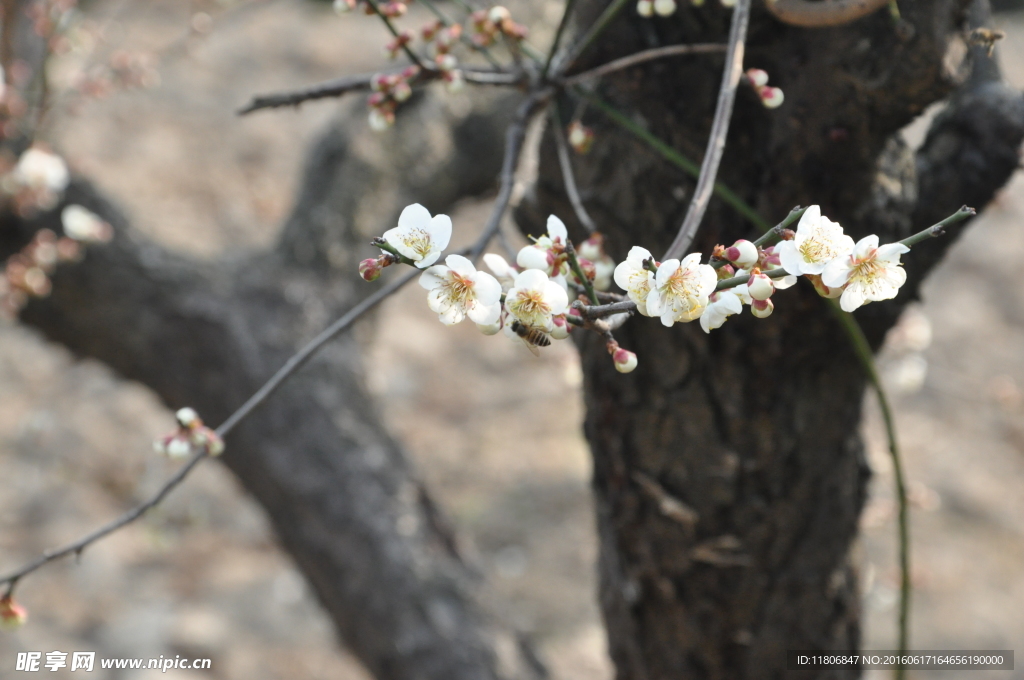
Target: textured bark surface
(338, 490)
(754, 427)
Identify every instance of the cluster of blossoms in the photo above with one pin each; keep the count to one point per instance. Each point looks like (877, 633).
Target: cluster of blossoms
(771, 97)
(389, 90)
(489, 24)
(190, 437)
(12, 614)
(26, 274)
(530, 300)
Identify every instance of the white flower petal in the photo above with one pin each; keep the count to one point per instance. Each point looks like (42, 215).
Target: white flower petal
(852, 297)
(485, 315)
(434, 277)
(557, 230)
(864, 247)
(440, 230)
(789, 256)
(891, 252)
(837, 272)
(808, 223)
(486, 288)
(556, 297)
(460, 265)
(532, 257)
(414, 216)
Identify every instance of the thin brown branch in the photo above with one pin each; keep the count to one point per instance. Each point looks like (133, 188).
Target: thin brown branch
(413, 57)
(514, 137)
(642, 57)
(822, 14)
(291, 366)
(338, 87)
(719, 129)
(568, 177)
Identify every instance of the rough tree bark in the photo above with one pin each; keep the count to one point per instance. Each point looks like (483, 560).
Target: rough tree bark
(754, 427)
(339, 491)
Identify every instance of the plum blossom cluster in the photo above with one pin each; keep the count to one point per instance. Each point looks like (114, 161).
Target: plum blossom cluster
(26, 274)
(771, 97)
(489, 25)
(389, 90)
(527, 301)
(190, 437)
(747, 273)
(530, 300)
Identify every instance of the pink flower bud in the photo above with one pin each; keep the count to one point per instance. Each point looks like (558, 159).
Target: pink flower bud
(12, 614)
(762, 309)
(581, 138)
(446, 62)
(370, 268)
(726, 271)
(743, 253)
(760, 287)
(402, 92)
(625, 361)
(771, 97)
(757, 77)
(560, 328)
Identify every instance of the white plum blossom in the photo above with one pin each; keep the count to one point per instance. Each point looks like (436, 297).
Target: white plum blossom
(817, 242)
(680, 290)
(722, 305)
(534, 299)
(870, 273)
(458, 290)
(543, 253)
(631, 277)
(502, 270)
(42, 170)
(82, 224)
(420, 237)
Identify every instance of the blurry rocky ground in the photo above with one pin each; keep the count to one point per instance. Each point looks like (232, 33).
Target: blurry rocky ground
(494, 431)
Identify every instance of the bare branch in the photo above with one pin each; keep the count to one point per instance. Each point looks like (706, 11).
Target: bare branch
(719, 129)
(822, 14)
(568, 177)
(642, 57)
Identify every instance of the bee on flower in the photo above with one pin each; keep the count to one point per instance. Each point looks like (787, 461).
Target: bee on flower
(533, 300)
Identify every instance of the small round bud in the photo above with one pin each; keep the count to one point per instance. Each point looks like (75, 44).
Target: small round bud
(12, 614)
(726, 271)
(178, 448)
(762, 309)
(743, 253)
(823, 290)
(446, 62)
(402, 92)
(645, 8)
(760, 287)
(757, 77)
(771, 97)
(625, 361)
(454, 81)
(581, 138)
(370, 269)
(560, 328)
(499, 14)
(214, 444)
(187, 418)
(381, 120)
(665, 8)
(593, 248)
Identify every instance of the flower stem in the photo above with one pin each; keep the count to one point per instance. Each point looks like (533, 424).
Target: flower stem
(936, 230)
(574, 264)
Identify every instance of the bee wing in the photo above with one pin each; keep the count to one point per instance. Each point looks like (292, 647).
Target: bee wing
(532, 347)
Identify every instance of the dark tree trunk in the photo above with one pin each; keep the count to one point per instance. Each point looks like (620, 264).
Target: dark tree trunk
(754, 427)
(339, 491)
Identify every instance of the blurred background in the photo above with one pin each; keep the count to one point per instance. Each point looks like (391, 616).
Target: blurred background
(202, 577)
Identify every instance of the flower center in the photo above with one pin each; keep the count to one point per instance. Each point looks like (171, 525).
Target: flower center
(458, 289)
(866, 269)
(418, 241)
(529, 307)
(818, 248)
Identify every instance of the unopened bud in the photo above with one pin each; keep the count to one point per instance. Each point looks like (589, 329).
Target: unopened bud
(771, 97)
(446, 62)
(381, 120)
(499, 14)
(823, 290)
(402, 92)
(757, 77)
(454, 81)
(762, 309)
(743, 253)
(593, 248)
(665, 8)
(645, 8)
(187, 418)
(581, 138)
(625, 361)
(12, 614)
(370, 269)
(726, 271)
(759, 286)
(559, 327)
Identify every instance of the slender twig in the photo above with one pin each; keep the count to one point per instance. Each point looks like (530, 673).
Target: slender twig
(643, 57)
(566, 15)
(291, 366)
(341, 86)
(514, 136)
(862, 349)
(574, 265)
(568, 176)
(774, 232)
(592, 34)
(413, 57)
(937, 230)
(719, 129)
